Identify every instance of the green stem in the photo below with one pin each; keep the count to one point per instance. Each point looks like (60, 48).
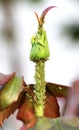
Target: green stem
(39, 88)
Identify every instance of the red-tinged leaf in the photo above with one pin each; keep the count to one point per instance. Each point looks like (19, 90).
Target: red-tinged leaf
(51, 106)
(72, 106)
(41, 19)
(4, 78)
(37, 16)
(4, 114)
(57, 89)
(1, 118)
(45, 12)
(27, 114)
(10, 92)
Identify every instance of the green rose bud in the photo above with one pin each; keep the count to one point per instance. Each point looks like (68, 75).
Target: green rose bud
(40, 49)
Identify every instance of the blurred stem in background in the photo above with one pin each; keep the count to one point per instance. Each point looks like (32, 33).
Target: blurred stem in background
(30, 1)
(72, 31)
(10, 38)
(8, 27)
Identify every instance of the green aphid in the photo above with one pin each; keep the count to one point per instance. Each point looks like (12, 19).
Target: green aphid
(40, 49)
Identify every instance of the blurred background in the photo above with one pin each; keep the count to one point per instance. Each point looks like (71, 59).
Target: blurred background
(17, 25)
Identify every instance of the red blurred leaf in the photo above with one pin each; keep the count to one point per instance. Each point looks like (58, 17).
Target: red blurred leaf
(51, 107)
(72, 106)
(1, 118)
(27, 115)
(57, 89)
